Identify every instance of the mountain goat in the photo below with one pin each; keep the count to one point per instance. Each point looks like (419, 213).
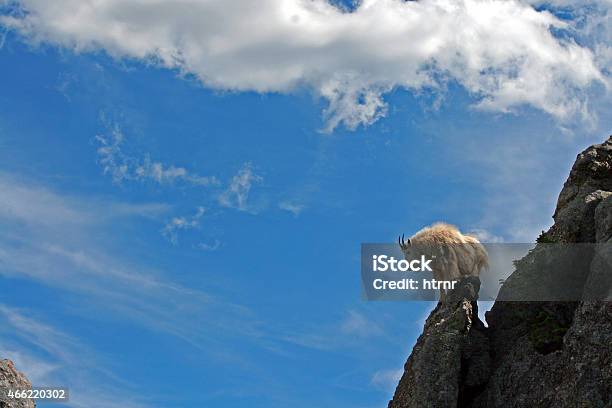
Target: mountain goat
(454, 255)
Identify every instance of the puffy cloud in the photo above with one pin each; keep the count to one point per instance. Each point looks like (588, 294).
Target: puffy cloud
(503, 52)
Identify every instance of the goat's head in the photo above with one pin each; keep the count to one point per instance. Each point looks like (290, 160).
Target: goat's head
(404, 244)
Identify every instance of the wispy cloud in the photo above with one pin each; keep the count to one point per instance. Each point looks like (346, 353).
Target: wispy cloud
(354, 329)
(122, 167)
(485, 236)
(177, 224)
(3, 34)
(293, 207)
(237, 193)
(504, 53)
(37, 370)
(50, 357)
(517, 205)
(37, 205)
(356, 324)
(387, 380)
(209, 247)
(66, 256)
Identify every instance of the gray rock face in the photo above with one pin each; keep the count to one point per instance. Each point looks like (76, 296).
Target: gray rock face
(10, 378)
(589, 183)
(533, 354)
(450, 357)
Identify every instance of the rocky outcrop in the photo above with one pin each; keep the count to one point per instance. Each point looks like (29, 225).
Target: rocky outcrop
(589, 183)
(11, 379)
(532, 354)
(451, 356)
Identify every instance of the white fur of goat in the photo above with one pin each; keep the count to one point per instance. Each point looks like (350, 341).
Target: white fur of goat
(455, 255)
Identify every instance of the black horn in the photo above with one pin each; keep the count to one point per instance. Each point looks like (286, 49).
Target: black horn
(402, 242)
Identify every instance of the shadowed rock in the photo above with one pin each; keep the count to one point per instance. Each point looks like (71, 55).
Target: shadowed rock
(451, 356)
(533, 354)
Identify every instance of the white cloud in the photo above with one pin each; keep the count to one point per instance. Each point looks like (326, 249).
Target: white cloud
(353, 330)
(37, 371)
(485, 236)
(520, 186)
(210, 247)
(75, 257)
(356, 324)
(387, 379)
(501, 51)
(292, 207)
(122, 167)
(36, 205)
(3, 37)
(237, 193)
(49, 356)
(569, 3)
(176, 224)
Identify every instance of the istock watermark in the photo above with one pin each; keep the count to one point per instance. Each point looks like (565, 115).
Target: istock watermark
(389, 275)
(384, 263)
(555, 271)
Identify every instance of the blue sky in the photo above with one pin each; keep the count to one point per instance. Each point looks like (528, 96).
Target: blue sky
(187, 233)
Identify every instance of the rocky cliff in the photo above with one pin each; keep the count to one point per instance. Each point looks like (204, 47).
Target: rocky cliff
(10, 378)
(532, 354)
